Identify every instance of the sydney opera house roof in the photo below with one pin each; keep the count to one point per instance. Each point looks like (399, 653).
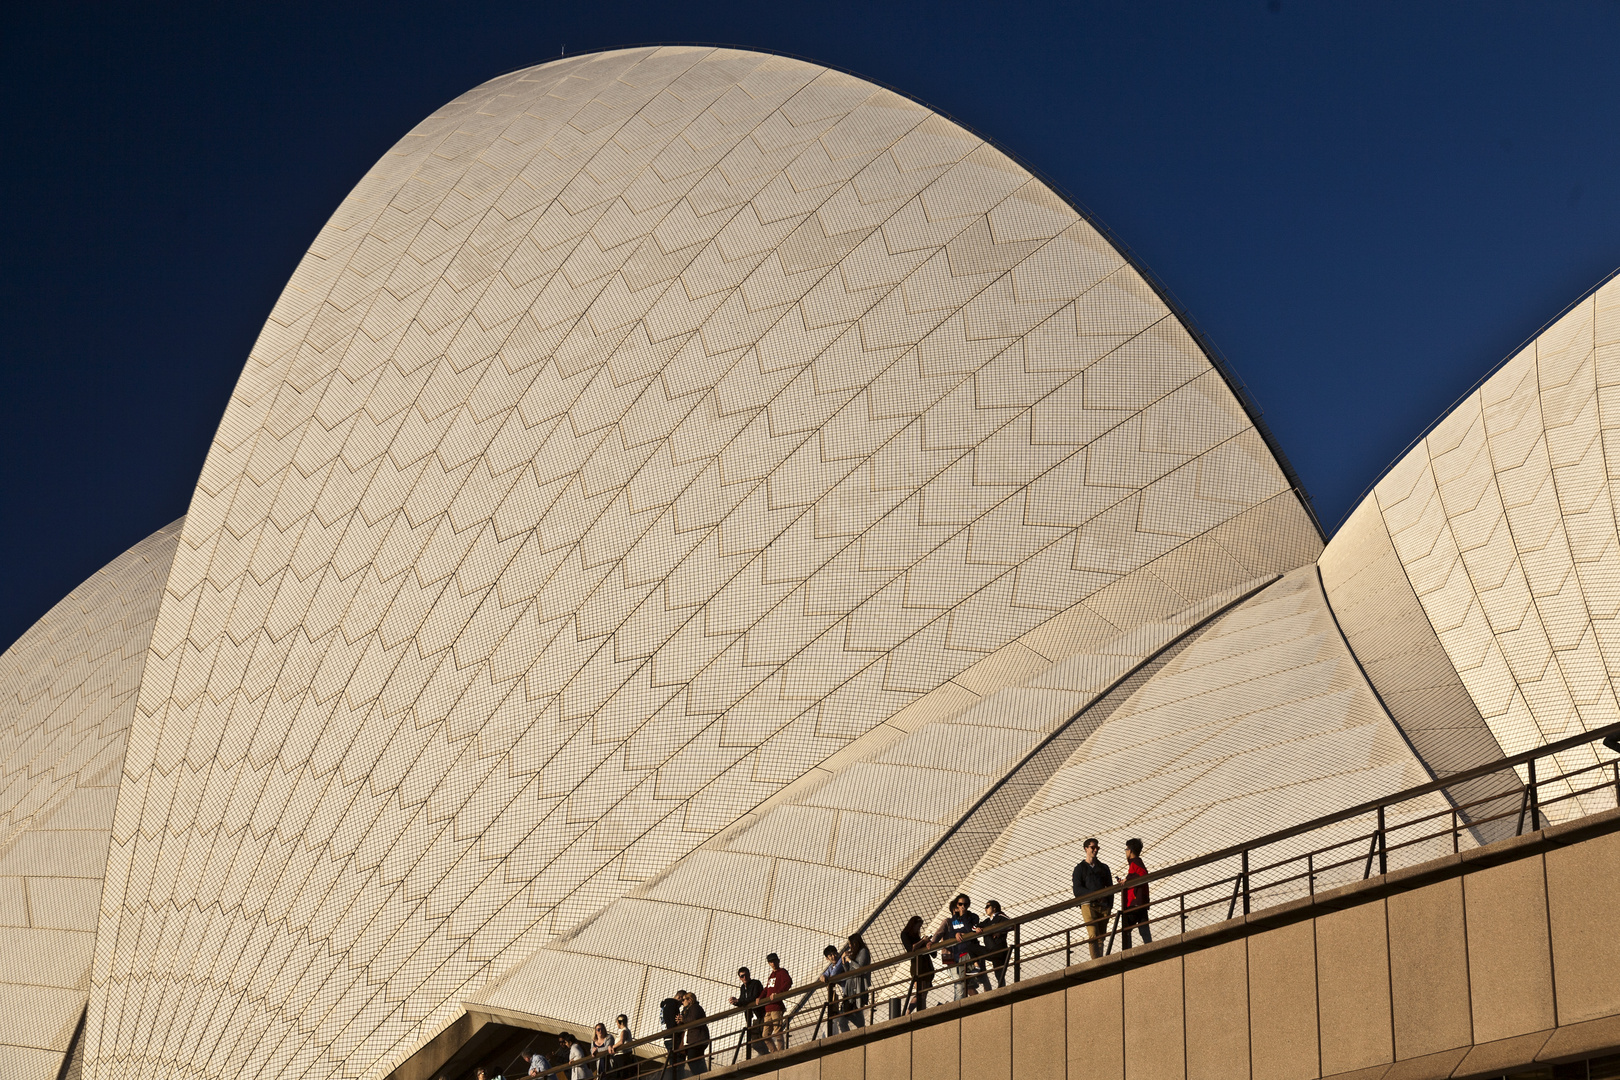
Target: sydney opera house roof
(688, 503)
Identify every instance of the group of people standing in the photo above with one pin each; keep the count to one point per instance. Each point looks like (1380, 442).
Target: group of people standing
(1091, 875)
(967, 946)
(607, 1054)
(965, 943)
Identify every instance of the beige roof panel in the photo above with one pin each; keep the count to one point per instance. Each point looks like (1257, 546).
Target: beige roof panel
(67, 699)
(643, 430)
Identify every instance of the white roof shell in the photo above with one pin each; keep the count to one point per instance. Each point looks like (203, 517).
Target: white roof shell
(645, 428)
(67, 698)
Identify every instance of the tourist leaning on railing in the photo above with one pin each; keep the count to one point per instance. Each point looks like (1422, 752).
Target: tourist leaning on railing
(855, 988)
(749, 991)
(624, 1059)
(695, 1040)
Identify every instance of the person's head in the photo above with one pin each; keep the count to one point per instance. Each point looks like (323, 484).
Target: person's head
(601, 1029)
(1134, 846)
(482, 1074)
(830, 951)
(566, 1038)
(856, 942)
(622, 1020)
(1091, 847)
(992, 907)
(742, 975)
(681, 996)
(773, 960)
(962, 903)
(913, 926)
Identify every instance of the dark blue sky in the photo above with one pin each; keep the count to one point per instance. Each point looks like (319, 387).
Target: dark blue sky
(1364, 206)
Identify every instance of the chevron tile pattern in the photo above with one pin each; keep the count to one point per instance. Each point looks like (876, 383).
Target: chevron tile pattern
(820, 857)
(642, 430)
(67, 696)
(1503, 519)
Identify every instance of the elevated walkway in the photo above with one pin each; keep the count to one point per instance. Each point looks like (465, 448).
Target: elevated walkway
(1421, 936)
(1499, 960)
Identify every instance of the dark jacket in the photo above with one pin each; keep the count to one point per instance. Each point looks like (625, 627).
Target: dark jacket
(1089, 877)
(995, 945)
(694, 1038)
(749, 994)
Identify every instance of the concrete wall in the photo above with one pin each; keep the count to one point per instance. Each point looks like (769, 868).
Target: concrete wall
(1464, 967)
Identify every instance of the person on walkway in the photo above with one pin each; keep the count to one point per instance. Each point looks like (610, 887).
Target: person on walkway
(922, 964)
(995, 944)
(856, 987)
(777, 983)
(601, 1049)
(669, 1014)
(960, 949)
(1134, 913)
(749, 991)
(1092, 875)
(576, 1058)
(830, 976)
(695, 1040)
(624, 1058)
(538, 1063)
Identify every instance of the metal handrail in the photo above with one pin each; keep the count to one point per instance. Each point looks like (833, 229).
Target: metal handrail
(1230, 890)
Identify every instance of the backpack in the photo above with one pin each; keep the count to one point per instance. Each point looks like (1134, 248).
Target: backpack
(670, 1012)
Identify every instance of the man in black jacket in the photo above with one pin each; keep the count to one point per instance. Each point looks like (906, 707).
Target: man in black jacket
(995, 948)
(748, 993)
(1089, 876)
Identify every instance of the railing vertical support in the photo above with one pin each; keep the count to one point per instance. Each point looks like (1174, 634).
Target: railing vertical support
(1245, 881)
(1383, 844)
(1184, 912)
(1535, 800)
(1310, 872)
(1454, 832)
(1068, 946)
(1617, 782)
(1018, 953)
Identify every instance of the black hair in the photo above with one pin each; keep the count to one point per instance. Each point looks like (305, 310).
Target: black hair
(745, 973)
(1134, 846)
(772, 958)
(831, 950)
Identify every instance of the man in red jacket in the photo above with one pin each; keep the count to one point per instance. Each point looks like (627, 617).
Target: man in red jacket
(1134, 914)
(777, 983)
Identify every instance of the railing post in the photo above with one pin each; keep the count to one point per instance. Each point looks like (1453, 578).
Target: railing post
(1383, 844)
(1068, 946)
(1183, 898)
(1310, 872)
(1018, 953)
(1617, 782)
(1245, 881)
(1535, 800)
(1454, 831)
